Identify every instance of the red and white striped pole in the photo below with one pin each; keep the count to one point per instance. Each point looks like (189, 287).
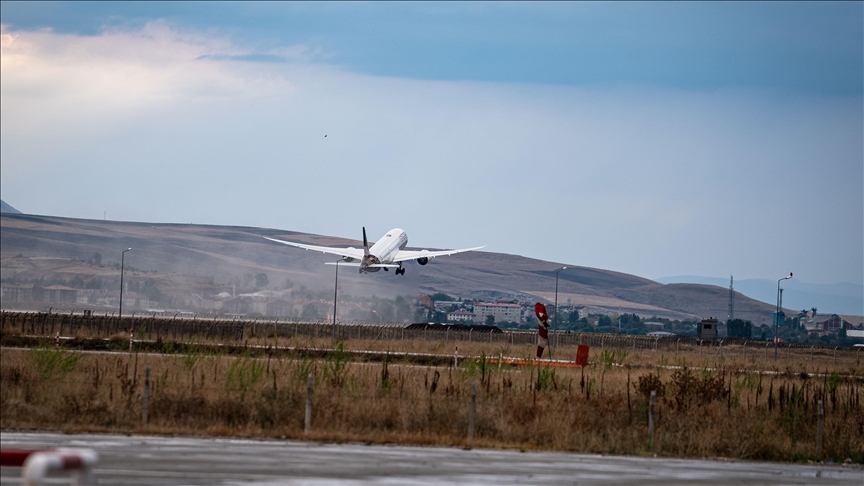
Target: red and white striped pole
(542, 328)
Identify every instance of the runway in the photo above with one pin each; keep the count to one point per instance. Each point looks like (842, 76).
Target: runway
(151, 460)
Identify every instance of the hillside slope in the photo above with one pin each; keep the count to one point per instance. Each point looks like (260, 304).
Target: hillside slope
(226, 252)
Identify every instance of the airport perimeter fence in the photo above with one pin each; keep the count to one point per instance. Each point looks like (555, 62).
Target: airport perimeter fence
(215, 328)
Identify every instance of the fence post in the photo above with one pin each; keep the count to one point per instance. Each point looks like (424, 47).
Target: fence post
(471, 411)
(131, 338)
(146, 396)
(819, 430)
(651, 418)
(308, 422)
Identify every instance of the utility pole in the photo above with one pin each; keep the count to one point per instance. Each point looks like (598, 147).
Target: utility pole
(731, 297)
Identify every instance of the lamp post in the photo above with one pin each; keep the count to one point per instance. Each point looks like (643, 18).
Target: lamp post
(555, 318)
(122, 263)
(777, 315)
(335, 291)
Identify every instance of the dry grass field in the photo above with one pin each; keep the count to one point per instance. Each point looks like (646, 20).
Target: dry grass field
(740, 407)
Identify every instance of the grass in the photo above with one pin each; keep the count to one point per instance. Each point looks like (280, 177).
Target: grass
(725, 411)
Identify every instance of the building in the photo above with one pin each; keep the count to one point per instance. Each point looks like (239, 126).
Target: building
(461, 316)
(708, 329)
(500, 311)
(16, 293)
(829, 323)
(60, 293)
(652, 326)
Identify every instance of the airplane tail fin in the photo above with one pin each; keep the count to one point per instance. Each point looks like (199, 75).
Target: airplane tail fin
(365, 243)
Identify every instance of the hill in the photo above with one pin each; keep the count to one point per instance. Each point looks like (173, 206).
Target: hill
(5, 208)
(216, 256)
(841, 298)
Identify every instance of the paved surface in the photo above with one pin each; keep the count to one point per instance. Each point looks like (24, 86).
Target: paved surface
(146, 460)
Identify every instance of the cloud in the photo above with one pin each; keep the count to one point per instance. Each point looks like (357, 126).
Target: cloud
(178, 126)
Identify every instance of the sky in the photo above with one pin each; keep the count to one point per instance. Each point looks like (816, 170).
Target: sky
(654, 139)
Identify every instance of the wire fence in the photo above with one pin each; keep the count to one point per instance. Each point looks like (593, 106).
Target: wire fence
(233, 328)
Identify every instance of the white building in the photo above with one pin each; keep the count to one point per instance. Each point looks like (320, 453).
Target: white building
(461, 316)
(501, 312)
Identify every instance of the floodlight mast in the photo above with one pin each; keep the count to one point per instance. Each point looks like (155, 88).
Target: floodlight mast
(777, 315)
(122, 262)
(555, 318)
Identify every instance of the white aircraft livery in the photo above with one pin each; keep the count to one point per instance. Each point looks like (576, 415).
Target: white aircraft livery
(386, 253)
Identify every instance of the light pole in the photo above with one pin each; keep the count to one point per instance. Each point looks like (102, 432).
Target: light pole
(555, 318)
(777, 315)
(335, 291)
(122, 263)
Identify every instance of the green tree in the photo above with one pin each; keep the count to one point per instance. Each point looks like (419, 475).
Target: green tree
(441, 297)
(38, 293)
(490, 320)
(261, 280)
(739, 328)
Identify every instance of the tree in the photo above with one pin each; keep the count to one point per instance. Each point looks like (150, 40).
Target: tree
(311, 310)
(739, 328)
(490, 320)
(441, 297)
(261, 280)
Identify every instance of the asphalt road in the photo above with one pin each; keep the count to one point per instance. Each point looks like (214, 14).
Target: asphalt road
(147, 460)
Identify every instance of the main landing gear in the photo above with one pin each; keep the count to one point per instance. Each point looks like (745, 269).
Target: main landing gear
(400, 271)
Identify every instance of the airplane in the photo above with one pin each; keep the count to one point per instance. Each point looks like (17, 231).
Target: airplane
(386, 253)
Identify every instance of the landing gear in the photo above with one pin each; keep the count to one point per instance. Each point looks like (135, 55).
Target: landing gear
(400, 271)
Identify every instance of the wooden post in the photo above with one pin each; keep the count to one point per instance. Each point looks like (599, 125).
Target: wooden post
(651, 418)
(819, 430)
(146, 398)
(308, 422)
(471, 411)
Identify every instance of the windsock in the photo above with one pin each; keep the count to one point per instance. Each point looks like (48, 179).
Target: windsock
(542, 328)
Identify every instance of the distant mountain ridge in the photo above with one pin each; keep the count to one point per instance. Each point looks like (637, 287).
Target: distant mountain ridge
(5, 208)
(840, 298)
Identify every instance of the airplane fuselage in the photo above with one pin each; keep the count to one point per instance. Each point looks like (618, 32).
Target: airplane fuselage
(388, 252)
(384, 250)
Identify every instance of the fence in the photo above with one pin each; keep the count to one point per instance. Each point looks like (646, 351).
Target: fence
(213, 327)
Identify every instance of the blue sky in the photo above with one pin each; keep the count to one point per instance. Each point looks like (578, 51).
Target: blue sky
(649, 138)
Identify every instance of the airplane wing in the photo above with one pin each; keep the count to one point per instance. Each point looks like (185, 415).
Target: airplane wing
(405, 255)
(344, 252)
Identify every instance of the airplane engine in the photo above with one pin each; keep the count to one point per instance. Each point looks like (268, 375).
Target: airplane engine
(348, 259)
(423, 260)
